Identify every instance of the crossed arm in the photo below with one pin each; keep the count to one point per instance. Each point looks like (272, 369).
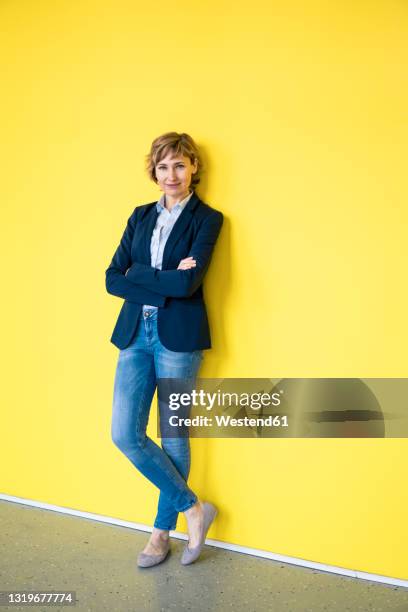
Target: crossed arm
(181, 282)
(115, 280)
(140, 283)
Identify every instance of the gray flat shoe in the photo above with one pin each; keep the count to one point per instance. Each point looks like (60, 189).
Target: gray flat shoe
(145, 560)
(191, 554)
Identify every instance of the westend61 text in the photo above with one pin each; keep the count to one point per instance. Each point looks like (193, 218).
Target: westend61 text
(227, 421)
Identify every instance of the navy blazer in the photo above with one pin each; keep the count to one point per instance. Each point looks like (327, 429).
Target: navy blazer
(182, 317)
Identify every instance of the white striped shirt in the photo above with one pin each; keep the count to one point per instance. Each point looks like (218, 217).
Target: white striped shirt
(164, 224)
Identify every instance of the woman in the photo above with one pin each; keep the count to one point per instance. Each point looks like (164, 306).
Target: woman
(162, 330)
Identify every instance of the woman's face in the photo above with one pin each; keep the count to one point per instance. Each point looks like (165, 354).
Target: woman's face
(174, 173)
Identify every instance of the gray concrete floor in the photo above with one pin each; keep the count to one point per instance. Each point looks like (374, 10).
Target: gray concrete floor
(46, 550)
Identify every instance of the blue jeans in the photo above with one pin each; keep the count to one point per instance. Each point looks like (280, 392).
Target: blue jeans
(139, 365)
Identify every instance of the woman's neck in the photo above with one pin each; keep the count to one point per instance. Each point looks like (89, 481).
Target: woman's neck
(170, 201)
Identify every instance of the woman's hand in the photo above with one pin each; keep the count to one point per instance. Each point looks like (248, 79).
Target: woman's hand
(187, 263)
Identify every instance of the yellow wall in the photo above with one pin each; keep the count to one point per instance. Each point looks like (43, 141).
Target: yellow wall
(300, 108)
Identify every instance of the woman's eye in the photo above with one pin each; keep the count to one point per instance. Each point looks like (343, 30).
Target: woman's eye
(164, 167)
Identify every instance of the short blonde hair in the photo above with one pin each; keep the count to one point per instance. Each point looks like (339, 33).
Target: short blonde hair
(177, 144)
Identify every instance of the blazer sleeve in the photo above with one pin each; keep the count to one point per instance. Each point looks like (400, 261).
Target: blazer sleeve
(115, 280)
(181, 283)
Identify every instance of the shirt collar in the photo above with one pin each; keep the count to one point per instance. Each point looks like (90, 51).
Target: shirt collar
(160, 204)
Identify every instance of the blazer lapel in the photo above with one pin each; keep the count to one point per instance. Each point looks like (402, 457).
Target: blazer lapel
(148, 223)
(179, 228)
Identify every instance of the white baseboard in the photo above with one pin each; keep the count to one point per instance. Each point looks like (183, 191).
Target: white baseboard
(333, 569)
